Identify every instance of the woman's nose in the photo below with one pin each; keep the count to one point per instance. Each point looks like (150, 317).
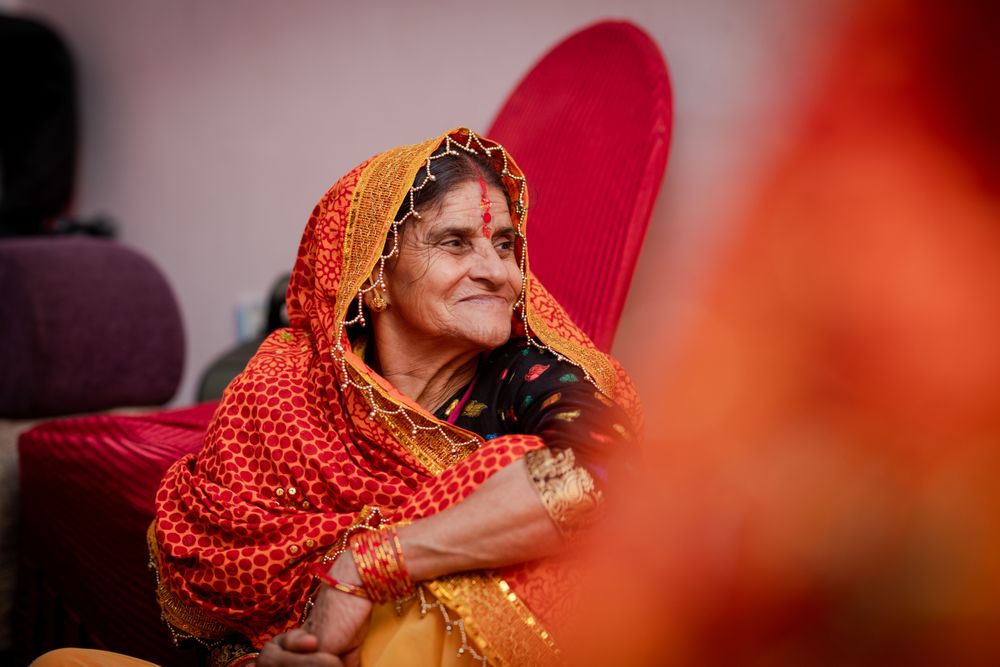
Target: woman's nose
(487, 263)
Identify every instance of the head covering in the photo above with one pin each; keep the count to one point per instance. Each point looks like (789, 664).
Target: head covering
(309, 441)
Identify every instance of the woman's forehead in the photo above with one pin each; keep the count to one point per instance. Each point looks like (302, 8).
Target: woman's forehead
(464, 201)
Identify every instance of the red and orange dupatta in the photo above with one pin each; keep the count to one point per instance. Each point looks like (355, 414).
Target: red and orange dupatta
(295, 454)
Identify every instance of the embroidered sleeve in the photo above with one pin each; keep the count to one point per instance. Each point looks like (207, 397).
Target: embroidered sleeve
(553, 400)
(567, 490)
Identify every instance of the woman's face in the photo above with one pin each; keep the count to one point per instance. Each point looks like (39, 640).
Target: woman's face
(451, 285)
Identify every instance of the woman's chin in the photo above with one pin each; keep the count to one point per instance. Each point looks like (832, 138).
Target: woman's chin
(490, 337)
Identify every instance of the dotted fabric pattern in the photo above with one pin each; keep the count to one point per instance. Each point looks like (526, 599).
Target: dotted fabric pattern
(290, 461)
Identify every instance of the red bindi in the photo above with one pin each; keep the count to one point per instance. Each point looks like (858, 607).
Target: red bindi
(484, 205)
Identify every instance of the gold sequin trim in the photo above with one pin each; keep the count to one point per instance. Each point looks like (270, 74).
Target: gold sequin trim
(567, 490)
(496, 621)
(184, 621)
(595, 363)
(413, 429)
(381, 187)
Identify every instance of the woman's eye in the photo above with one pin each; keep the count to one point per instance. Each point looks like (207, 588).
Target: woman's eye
(452, 243)
(505, 245)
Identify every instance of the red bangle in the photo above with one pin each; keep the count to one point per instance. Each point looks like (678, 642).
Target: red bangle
(321, 573)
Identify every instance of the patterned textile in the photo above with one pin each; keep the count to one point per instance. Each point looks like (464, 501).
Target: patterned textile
(522, 389)
(296, 451)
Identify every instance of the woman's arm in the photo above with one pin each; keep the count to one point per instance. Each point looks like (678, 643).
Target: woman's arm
(501, 523)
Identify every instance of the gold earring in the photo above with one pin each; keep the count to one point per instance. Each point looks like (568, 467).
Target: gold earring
(378, 301)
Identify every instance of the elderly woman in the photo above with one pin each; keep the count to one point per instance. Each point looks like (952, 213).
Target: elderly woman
(384, 481)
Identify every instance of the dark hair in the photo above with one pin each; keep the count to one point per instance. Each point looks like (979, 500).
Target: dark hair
(450, 171)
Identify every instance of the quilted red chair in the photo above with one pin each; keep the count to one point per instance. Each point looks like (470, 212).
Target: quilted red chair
(589, 124)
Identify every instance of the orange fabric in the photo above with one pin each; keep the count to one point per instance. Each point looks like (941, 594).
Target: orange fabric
(87, 657)
(292, 456)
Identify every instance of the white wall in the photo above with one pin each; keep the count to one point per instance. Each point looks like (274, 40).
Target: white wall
(211, 128)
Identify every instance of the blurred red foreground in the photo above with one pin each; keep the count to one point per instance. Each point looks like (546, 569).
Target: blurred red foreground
(825, 453)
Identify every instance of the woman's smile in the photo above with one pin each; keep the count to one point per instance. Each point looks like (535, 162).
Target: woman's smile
(485, 300)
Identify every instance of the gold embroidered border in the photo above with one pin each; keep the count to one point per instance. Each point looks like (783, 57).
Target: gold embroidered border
(426, 446)
(381, 188)
(189, 620)
(591, 359)
(566, 489)
(499, 624)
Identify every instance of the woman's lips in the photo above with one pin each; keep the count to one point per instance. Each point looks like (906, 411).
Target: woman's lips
(485, 299)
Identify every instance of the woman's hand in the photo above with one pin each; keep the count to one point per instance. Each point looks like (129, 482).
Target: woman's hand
(334, 630)
(339, 620)
(296, 648)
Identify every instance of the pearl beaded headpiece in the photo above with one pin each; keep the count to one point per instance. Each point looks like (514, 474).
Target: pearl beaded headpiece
(450, 147)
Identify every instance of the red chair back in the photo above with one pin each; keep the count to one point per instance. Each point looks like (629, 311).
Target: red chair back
(590, 126)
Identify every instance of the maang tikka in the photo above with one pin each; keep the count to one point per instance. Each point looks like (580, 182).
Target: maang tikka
(485, 205)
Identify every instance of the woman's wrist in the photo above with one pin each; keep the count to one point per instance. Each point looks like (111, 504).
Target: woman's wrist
(341, 576)
(344, 569)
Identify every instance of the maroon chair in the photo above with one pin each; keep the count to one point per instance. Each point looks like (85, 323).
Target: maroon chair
(85, 325)
(87, 490)
(590, 126)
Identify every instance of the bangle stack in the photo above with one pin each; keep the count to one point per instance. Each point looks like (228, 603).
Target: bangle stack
(379, 557)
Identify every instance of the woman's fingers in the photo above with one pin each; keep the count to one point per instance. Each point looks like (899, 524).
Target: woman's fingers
(299, 640)
(292, 649)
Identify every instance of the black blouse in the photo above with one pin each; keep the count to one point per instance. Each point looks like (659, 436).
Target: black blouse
(519, 388)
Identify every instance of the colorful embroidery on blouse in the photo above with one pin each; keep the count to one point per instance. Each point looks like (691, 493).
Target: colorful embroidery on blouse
(569, 377)
(568, 416)
(535, 372)
(554, 398)
(473, 409)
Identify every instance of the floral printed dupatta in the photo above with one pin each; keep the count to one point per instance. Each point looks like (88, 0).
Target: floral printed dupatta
(308, 440)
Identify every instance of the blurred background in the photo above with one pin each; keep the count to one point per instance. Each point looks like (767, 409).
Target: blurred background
(209, 130)
(814, 320)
